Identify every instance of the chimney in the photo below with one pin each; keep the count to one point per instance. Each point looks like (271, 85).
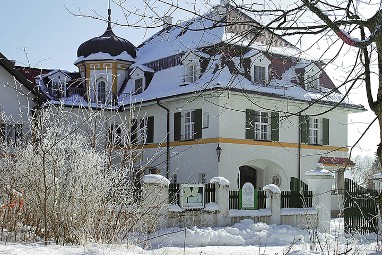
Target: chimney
(167, 21)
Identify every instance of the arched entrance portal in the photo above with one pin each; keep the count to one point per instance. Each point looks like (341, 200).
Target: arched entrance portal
(247, 174)
(260, 172)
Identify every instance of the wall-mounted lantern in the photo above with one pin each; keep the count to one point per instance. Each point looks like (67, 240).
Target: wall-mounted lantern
(218, 152)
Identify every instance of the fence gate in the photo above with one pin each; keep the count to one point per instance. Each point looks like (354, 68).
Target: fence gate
(360, 209)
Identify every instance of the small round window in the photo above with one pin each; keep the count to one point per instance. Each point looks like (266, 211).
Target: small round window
(276, 179)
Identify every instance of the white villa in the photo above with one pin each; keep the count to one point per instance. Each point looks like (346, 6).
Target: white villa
(236, 100)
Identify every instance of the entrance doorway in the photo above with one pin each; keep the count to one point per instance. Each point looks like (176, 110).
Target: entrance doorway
(247, 174)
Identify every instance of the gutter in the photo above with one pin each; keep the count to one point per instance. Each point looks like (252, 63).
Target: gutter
(299, 148)
(168, 139)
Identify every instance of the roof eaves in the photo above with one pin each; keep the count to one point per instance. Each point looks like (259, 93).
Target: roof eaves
(329, 103)
(9, 66)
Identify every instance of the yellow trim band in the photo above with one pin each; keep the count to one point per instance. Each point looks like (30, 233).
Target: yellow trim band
(246, 142)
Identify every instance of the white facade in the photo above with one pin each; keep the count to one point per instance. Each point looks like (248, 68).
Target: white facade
(16, 104)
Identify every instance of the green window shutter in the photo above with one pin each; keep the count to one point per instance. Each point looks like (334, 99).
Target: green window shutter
(325, 131)
(177, 126)
(249, 124)
(304, 128)
(198, 123)
(275, 135)
(150, 129)
(133, 132)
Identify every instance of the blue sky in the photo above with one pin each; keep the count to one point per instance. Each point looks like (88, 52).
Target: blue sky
(51, 35)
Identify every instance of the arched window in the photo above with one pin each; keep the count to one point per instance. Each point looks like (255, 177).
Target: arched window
(101, 92)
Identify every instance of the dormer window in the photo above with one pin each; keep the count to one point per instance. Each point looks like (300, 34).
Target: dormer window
(312, 78)
(259, 68)
(191, 72)
(58, 89)
(191, 62)
(312, 82)
(138, 86)
(259, 74)
(141, 77)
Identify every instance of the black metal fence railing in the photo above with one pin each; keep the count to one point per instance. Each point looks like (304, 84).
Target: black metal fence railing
(234, 199)
(209, 193)
(296, 199)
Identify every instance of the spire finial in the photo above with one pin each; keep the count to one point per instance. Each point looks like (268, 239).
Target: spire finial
(109, 17)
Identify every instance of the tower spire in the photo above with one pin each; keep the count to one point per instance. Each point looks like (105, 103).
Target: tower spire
(109, 17)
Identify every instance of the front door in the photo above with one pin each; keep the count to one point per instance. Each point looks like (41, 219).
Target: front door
(247, 174)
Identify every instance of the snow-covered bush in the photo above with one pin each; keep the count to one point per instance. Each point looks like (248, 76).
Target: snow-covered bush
(76, 188)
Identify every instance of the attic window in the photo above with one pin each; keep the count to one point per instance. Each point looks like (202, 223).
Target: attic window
(312, 82)
(191, 68)
(312, 77)
(58, 89)
(259, 68)
(259, 74)
(138, 86)
(191, 72)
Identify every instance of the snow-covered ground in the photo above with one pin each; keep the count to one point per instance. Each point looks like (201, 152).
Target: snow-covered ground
(245, 237)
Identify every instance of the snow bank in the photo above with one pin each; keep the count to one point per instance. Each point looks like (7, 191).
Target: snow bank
(246, 232)
(156, 179)
(249, 213)
(220, 180)
(175, 208)
(211, 207)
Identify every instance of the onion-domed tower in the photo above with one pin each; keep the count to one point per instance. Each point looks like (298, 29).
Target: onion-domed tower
(104, 62)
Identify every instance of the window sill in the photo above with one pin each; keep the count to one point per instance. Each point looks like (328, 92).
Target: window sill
(260, 140)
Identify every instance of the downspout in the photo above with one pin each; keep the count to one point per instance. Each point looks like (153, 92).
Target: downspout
(299, 148)
(167, 141)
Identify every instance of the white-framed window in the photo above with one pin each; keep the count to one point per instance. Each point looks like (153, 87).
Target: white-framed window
(312, 77)
(262, 126)
(191, 65)
(58, 89)
(259, 74)
(138, 86)
(11, 133)
(312, 82)
(314, 131)
(260, 68)
(101, 91)
(206, 120)
(189, 125)
(192, 72)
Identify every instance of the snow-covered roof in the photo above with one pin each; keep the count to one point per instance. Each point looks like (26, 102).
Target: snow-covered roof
(199, 36)
(124, 56)
(144, 68)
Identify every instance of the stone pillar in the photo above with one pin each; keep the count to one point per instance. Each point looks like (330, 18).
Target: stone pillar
(320, 182)
(222, 199)
(273, 202)
(154, 205)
